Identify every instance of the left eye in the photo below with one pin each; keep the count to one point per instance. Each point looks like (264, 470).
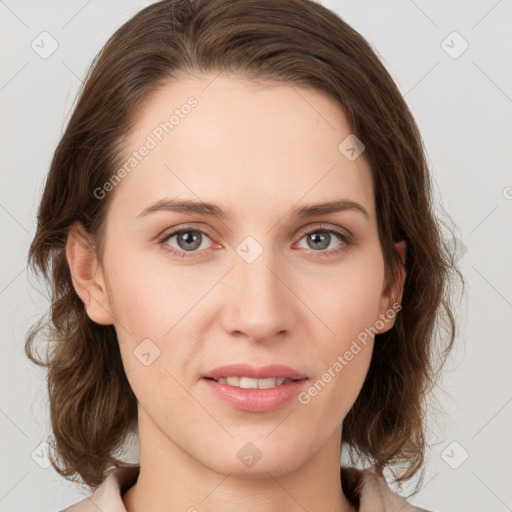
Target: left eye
(321, 239)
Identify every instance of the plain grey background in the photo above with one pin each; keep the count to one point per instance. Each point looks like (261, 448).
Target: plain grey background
(451, 60)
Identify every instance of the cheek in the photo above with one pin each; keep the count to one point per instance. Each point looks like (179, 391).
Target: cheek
(348, 304)
(136, 304)
(347, 300)
(149, 304)
(147, 299)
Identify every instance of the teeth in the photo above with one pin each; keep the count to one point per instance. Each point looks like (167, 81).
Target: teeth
(248, 383)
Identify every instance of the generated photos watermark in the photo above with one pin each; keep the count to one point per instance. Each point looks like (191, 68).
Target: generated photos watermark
(343, 360)
(152, 140)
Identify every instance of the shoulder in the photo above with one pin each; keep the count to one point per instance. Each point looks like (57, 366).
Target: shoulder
(369, 492)
(107, 496)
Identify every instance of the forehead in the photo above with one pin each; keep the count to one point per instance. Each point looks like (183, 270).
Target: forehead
(248, 145)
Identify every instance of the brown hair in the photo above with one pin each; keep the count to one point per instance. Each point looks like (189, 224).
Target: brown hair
(298, 42)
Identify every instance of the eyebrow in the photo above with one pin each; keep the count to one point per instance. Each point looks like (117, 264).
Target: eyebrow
(210, 209)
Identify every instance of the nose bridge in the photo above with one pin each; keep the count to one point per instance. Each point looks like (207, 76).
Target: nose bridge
(260, 306)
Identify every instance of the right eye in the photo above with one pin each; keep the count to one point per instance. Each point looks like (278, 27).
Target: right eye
(182, 241)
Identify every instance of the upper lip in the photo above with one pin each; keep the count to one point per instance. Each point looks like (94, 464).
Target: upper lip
(255, 372)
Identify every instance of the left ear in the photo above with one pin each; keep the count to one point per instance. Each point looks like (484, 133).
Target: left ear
(392, 295)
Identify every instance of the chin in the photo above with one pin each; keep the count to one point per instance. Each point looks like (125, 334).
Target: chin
(246, 459)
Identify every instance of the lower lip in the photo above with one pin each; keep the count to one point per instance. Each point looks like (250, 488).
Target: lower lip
(256, 400)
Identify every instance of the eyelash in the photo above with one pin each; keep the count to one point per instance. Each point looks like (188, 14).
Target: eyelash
(347, 241)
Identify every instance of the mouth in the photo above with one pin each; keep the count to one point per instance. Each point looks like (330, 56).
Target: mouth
(248, 376)
(251, 383)
(255, 389)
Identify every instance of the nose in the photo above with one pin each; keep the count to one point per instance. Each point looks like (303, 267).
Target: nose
(259, 306)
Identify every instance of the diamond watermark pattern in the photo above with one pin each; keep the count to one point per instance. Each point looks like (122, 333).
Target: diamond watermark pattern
(454, 45)
(249, 249)
(146, 352)
(351, 147)
(44, 45)
(454, 455)
(40, 455)
(457, 248)
(249, 454)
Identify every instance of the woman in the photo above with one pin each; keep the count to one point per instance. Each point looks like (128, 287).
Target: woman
(237, 229)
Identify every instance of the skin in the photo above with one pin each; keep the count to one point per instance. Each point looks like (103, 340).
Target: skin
(258, 151)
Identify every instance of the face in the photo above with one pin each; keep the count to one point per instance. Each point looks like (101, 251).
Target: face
(257, 276)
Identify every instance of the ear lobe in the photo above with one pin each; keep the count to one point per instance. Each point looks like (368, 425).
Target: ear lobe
(392, 296)
(86, 275)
